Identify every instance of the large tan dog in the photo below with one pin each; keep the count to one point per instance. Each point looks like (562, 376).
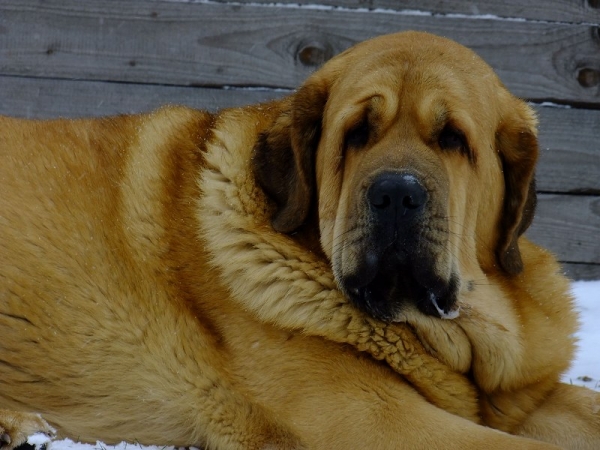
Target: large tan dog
(339, 269)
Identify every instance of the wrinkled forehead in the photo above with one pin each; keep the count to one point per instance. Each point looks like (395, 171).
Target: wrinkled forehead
(413, 70)
(412, 49)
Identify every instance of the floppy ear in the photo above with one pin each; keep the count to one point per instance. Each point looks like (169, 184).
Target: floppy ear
(284, 156)
(516, 141)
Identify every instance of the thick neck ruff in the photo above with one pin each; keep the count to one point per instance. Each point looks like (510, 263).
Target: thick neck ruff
(271, 276)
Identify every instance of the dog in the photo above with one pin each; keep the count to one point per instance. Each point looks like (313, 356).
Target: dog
(341, 268)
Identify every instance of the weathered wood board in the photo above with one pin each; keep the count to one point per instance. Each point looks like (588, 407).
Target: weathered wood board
(566, 11)
(212, 44)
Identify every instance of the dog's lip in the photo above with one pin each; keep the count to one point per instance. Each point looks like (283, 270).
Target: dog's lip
(361, 289)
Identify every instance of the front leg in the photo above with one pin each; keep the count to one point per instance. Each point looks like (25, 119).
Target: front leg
(16, 427)
(570, 418)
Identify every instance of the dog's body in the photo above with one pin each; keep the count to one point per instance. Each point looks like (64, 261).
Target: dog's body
(169, 277)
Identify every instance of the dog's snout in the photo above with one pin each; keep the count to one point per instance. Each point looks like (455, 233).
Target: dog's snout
(397, 195)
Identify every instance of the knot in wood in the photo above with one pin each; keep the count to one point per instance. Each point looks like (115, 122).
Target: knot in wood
(313, 54)
(588, 77)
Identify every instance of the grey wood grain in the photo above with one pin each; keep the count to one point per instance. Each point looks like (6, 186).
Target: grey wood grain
(569, 150)
(571, 11)
(43, 98)
(568, 225)
(248, 45)
(582, 271)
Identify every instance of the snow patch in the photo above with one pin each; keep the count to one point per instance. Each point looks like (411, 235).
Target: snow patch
(397, 12)
(585, 370)
(551, 105)
(68, 444)
(39, 440)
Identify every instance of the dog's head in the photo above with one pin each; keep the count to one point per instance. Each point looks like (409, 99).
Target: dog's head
(420, 165)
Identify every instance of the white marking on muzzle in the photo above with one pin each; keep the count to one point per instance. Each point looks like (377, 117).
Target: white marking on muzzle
(443, 314)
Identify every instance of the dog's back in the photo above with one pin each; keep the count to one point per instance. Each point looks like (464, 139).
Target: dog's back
(93, 333)
(83, 275)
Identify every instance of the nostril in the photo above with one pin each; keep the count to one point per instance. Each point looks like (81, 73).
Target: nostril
(409, 203)
(382, 202)
(382, 194)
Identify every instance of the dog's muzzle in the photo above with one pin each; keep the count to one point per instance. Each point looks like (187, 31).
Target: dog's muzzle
(397, 260)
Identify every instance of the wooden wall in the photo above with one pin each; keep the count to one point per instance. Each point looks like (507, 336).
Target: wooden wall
(95, 57)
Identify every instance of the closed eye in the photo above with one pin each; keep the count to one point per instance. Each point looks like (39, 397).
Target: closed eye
(452, 138)
(357, 136)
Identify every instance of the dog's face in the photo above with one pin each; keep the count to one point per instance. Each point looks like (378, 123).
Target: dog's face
(419, 164)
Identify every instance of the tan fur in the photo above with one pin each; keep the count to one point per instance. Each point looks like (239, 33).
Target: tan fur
(145, 295)
(16, 427)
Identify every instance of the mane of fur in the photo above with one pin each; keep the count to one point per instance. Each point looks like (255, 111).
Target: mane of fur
(280, 282)
(270, 275)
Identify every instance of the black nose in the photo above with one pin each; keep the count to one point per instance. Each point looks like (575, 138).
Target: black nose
(396, 196)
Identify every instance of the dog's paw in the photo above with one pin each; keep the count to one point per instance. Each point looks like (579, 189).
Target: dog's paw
(16, 427)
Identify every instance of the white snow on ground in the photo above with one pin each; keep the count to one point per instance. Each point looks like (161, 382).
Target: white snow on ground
(40, 440)
(584, 372)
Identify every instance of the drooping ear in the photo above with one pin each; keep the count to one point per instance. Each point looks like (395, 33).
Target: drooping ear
(516, 142)
(284, 156)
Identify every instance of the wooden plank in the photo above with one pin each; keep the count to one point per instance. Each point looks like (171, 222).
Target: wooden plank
(582, 271)
(42, 98)
(568, 225)
(569, 161)
(549, 10)
(570, 150)
(247, 45)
